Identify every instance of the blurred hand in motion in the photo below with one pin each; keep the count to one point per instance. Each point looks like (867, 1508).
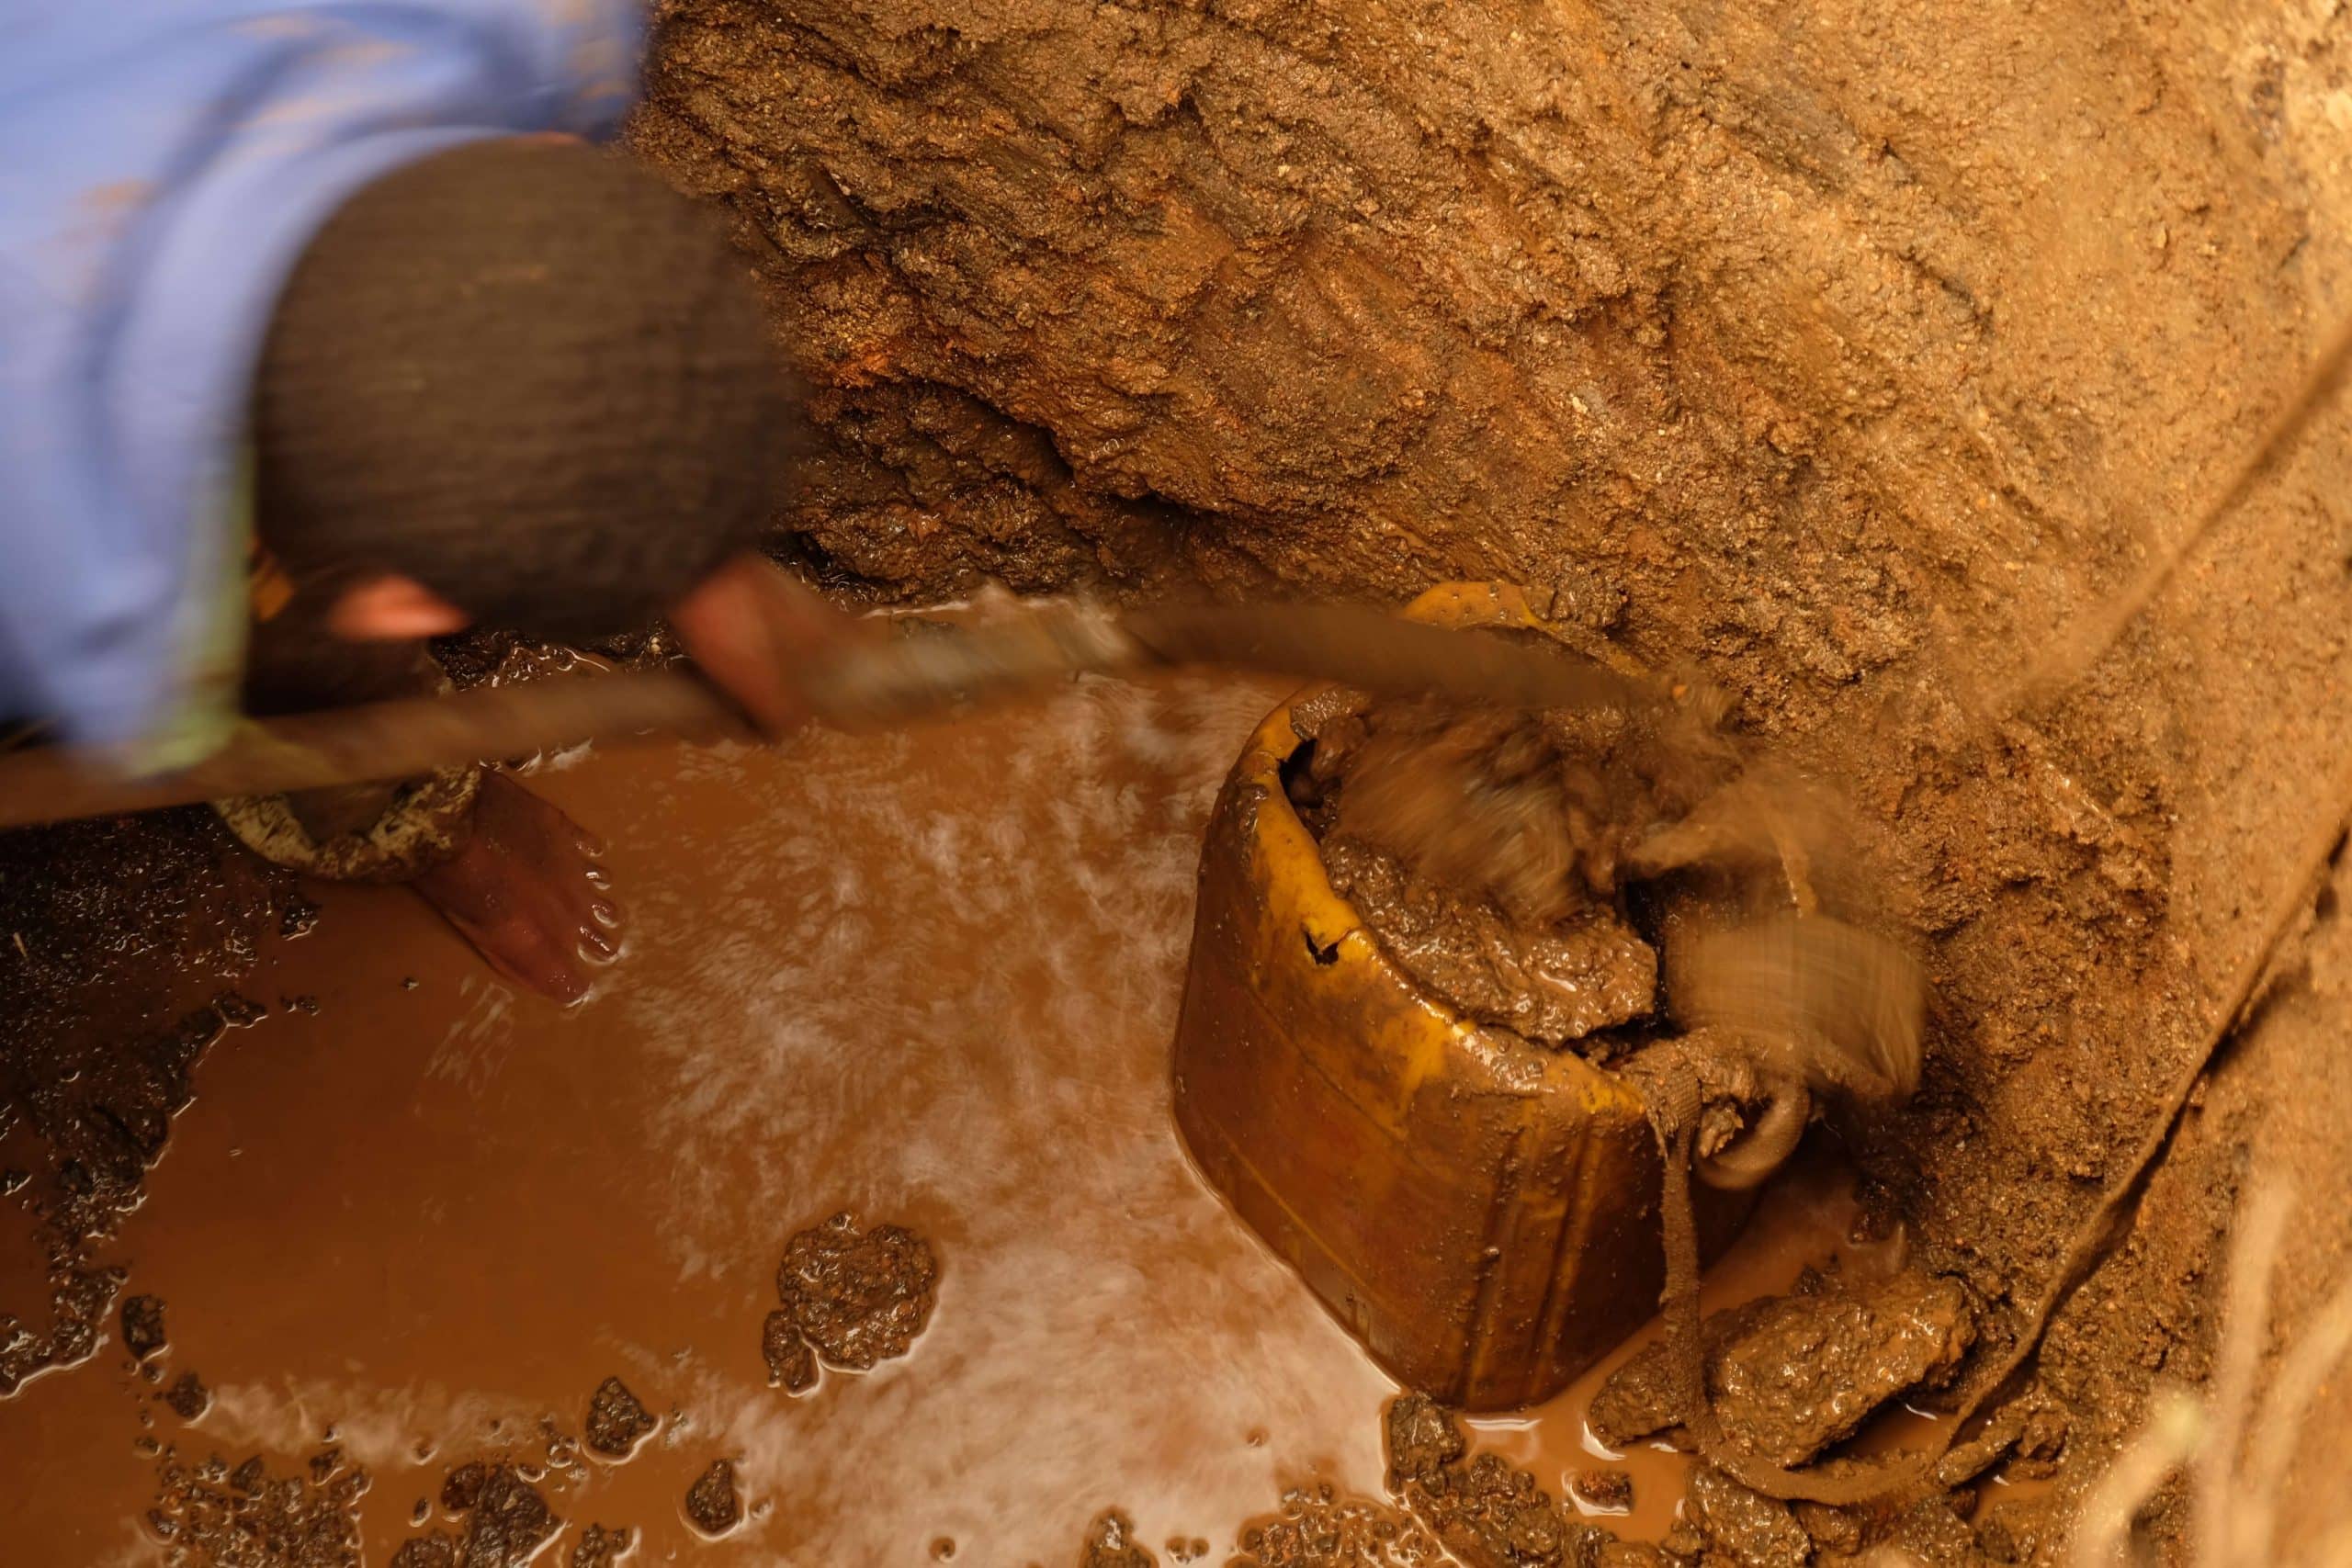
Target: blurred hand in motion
(750, 625)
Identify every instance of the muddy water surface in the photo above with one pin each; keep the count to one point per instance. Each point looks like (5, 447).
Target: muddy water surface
(928, 978)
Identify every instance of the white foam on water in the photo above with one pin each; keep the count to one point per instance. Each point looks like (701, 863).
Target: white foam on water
(945, 982)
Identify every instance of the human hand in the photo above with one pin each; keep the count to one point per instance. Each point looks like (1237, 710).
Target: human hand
(748, 624)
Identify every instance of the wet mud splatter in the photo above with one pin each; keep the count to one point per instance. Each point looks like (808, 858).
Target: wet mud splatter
(210, 1515)
(712, 1502)
(1319, 1527)
(143, 1327)
(600, 1546)
(617, 1422)
(855, 1297)
(188, 1398)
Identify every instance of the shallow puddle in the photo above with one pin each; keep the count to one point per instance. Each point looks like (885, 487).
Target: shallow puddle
(929, 979)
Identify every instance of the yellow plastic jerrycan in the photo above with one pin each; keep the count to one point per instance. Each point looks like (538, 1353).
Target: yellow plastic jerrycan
(1480, 1213)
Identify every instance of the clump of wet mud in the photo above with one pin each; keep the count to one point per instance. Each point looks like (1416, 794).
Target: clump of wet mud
(1111, 1543)
(1602, 1491)
(1490, 852)
(143, 1327)
(1542, 812)
(600, 1546)
(1791, 1375)
(617, 1420)
(1542, 873)
(1744, 1526)
(1485, 1510)
(792, 1365)
(188, 1398)
(506, 1521)
(712, 1502)
(853, 1297)
(209, 1515)
(1319, 1527)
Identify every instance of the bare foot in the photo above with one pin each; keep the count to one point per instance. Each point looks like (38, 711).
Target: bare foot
(525, 892)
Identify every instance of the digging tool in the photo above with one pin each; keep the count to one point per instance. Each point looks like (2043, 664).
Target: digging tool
(927, 667)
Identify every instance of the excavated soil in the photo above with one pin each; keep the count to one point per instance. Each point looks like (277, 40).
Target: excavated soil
(1833, 352)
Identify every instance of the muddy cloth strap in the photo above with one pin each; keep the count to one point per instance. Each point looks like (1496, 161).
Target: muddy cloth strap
(425, 824)
(363, 833)
(1670, 1090)
(1668, 1080)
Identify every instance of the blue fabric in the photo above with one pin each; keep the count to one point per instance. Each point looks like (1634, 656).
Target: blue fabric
(162, 163)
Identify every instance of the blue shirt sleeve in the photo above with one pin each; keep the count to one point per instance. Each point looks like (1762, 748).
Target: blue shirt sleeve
(163, 163)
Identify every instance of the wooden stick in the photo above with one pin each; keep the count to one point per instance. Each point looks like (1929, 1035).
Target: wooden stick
(377, 741)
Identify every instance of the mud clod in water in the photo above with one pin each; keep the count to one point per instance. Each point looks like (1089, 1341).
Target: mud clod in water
(507, 1522)
(792, 1365)
(461, 1488)
(143, 1327)
(857, 1297)
(1487, 1512)
(1744, 1526)
(600, 1547)
(1603, 1491)
(1318, 1527)
(1422, 1441)
(209, 1517)
(617, 1422)
(1633, 1554)
(1792, 1374)
(1111, 1543)
(186, 1397)
(711, 1502)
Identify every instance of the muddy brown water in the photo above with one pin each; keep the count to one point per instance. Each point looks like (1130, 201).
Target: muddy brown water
(928, 977)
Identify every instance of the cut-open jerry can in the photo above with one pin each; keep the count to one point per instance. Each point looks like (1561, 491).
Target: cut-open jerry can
(1480, 1213)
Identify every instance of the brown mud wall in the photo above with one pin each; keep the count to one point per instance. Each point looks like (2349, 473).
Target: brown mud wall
(1839, 349)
